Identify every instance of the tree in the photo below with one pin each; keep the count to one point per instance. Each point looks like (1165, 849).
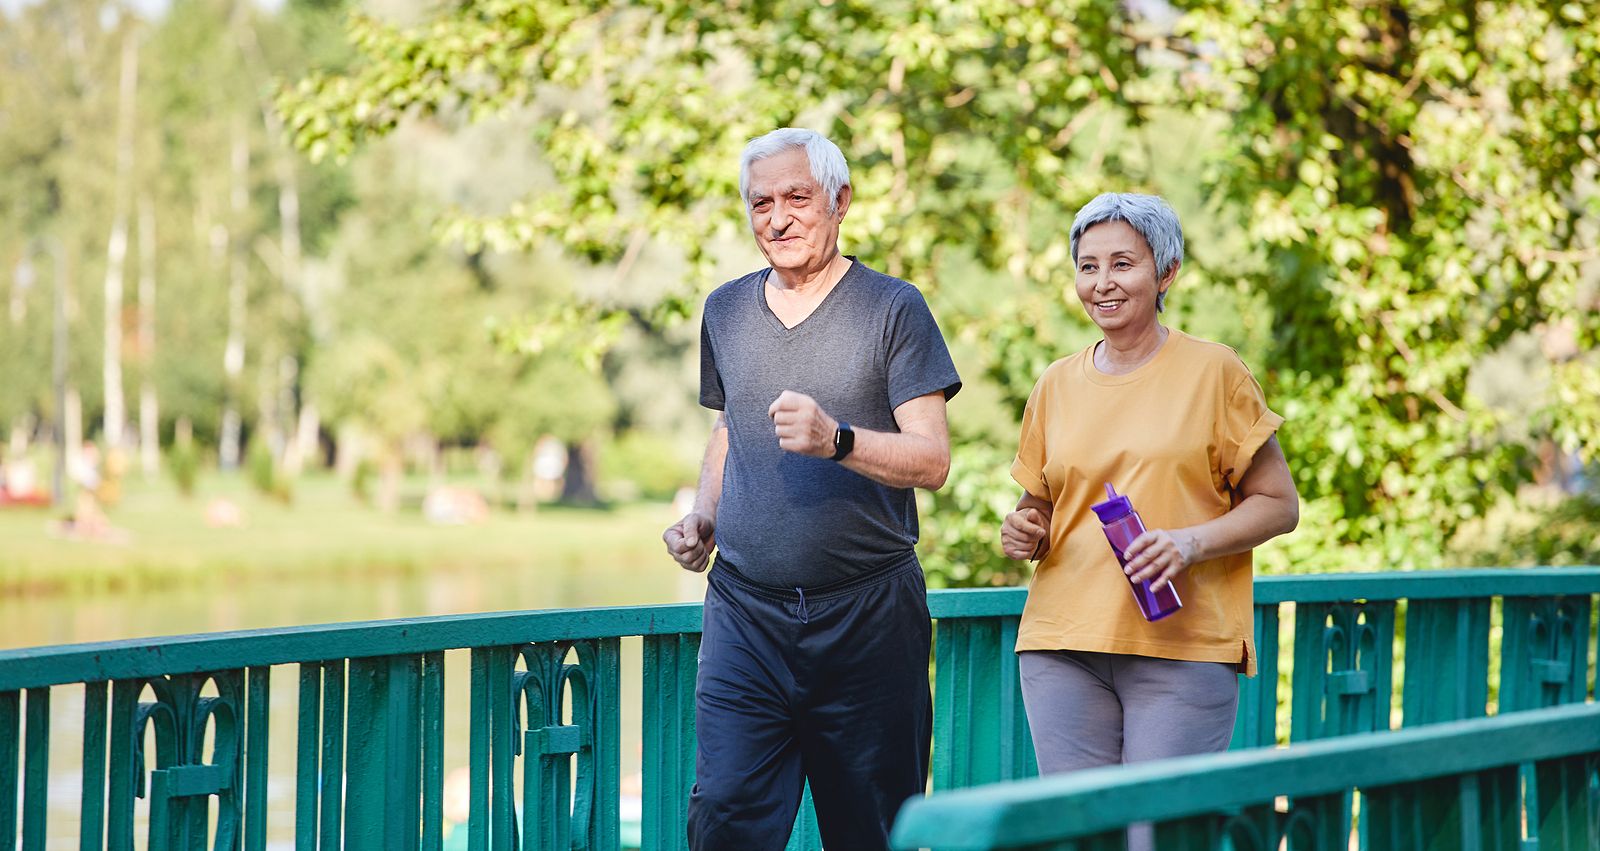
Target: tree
(1386, 247)
(1415, 213)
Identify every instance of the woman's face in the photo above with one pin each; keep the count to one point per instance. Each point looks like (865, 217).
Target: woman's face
(1116, 279)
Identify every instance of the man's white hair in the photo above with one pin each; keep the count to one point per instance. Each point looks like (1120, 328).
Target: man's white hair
(828, 166)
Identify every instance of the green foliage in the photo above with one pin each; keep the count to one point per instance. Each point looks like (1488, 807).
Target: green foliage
(1413, 214)
(1383, 194)
(265, 475)
(961, 528)
(648, 465)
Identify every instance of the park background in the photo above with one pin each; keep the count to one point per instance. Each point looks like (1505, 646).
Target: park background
(393, 299)
(354, 310)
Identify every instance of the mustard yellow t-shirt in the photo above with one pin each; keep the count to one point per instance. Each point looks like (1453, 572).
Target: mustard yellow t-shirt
(1174, 436)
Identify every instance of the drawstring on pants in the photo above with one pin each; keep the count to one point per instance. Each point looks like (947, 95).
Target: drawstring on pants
(800, 611)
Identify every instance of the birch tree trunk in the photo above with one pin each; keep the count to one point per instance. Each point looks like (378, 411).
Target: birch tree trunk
(149, 411)
(238, 295)
(117, 249)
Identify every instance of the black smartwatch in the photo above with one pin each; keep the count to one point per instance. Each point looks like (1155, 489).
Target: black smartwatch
(844, 440)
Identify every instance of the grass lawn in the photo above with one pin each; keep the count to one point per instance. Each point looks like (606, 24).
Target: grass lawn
(325, 530)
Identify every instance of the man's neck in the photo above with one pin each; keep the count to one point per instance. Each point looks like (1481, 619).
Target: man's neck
(800, 283)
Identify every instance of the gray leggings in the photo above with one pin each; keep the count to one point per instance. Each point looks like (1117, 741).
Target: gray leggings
(1090, 709)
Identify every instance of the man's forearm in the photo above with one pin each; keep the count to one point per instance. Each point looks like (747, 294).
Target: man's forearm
(902, 460)
(709, 492)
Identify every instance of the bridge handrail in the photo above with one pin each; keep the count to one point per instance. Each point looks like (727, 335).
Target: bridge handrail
(1041, 810)
(34, 667)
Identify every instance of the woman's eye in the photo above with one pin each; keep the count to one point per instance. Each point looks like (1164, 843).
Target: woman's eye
(1086, 268)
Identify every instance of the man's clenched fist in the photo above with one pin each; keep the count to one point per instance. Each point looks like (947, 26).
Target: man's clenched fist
(690, 540)
(802, 426)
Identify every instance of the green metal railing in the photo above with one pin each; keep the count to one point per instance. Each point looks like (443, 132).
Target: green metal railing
(1342, 659)
(184, 722)
(1525, 780)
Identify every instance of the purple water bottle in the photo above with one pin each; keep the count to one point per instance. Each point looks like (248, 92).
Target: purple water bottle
(1122, 525)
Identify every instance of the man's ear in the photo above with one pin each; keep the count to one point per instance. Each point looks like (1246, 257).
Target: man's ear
(844, 202)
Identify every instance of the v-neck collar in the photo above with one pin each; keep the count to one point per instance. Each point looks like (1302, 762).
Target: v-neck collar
(777, 324)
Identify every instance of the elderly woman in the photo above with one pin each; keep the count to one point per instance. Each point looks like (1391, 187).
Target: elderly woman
(1180, 426)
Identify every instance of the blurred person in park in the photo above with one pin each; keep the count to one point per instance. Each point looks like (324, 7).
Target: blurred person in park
(831, 381)
(1180, 426)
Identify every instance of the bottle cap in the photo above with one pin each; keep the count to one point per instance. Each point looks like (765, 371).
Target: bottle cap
(1114, 508)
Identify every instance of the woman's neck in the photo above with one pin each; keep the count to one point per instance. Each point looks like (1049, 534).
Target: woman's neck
(1124, 352)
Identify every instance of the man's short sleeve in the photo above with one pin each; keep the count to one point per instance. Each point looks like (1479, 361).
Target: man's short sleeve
(918, 361)
(1244, 427)
(1028, 468)
(711, 395)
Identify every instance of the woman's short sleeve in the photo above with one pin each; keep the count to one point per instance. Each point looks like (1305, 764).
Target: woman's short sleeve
(1246, 425)
(1028, 468)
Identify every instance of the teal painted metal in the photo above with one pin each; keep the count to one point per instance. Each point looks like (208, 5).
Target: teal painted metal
(257, 712)
(330, 794)
(10, 750)
(433, 751)
(308, 757)
(980, 726)
(1343, 661)
(1447, 660)
(375, 692)
(92, 801)
(1257, 722)
(1049, 810)
(667, 766)
(806, 836)
(36, 769)
(1546, 651)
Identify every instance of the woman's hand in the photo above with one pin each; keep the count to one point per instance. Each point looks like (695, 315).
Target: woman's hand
(1160, 555)
(1025, 534)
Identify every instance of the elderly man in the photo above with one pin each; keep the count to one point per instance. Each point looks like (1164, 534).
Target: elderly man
(831, 380)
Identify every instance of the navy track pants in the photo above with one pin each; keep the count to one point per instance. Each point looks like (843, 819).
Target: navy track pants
(828, 685)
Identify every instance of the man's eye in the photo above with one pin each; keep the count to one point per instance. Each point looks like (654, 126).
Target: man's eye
(1087, 267)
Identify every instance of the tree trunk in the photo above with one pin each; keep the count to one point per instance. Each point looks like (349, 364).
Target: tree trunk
(290, 254)
(116, 413)
(578, 485)
(303, 448)
(238, 294)
(72, 435)
(149, 410)
(391, 473)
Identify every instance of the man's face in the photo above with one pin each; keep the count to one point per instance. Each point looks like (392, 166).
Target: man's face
(789, 213)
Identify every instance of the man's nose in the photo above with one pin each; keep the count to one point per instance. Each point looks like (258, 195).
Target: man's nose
(781, 217)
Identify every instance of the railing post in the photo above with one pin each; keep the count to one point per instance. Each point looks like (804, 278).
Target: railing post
(1343, 658)
(667, 767)
(1544, 651)
(1447, 660)
(10, 750)
(1256, 725)
(980, 726)
(36, 769)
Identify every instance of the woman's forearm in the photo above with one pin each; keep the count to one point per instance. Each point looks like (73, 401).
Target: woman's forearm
(1258, 519)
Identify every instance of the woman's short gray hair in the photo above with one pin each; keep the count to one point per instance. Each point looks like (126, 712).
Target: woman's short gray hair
(828, 166)
(1150, 215)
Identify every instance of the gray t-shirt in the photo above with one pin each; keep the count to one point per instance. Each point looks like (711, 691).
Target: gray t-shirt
(791, 520)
